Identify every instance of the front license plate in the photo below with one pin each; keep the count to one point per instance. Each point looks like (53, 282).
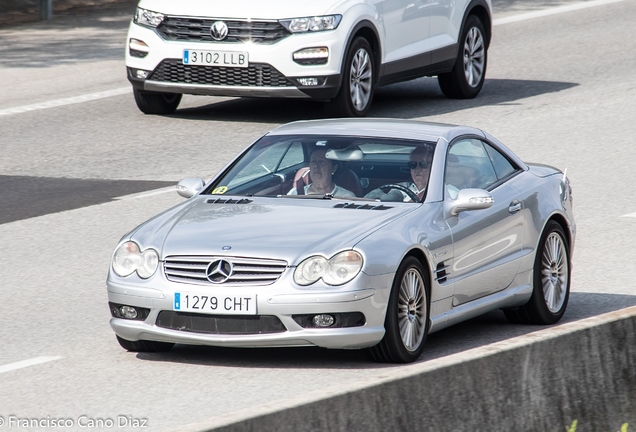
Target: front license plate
(215, 58)
(219, 304)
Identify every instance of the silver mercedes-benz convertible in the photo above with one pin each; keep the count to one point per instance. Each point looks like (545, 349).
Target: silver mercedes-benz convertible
(353, 233)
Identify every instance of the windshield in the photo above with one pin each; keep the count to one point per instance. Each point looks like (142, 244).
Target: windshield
(312, 166)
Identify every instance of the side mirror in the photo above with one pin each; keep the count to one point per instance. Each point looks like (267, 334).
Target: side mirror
(469, 199)
(190, 186)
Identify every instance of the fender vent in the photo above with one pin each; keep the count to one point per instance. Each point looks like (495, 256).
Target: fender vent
(229, 201)
(440, 273)
(362, 207)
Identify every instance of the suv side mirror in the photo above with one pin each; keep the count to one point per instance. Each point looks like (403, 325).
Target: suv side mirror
(190, 186)
(469, 199)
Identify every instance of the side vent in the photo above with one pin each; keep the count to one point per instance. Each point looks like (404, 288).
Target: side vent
(229, 201)
(440, 273)
(362, 207)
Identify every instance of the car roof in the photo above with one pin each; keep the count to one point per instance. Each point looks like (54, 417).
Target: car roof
(377, 127)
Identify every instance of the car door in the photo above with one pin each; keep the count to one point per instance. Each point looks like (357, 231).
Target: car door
(487, 243)
(406, 24)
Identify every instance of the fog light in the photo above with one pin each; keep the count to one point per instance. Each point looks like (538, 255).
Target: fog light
(324, 320)
(128, 312)
(308, 81)
(141, 74)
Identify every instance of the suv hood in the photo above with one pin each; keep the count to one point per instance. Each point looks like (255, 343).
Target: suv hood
(278, 228)
(244, 9)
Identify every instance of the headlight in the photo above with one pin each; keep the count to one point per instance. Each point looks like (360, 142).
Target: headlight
(129, 258)
(147, 18)
(340, 269)
(311, 24)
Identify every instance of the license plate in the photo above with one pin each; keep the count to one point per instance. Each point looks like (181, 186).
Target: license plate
(219, 304)
(215, 58)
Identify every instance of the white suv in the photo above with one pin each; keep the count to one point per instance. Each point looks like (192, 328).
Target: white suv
(337, 51)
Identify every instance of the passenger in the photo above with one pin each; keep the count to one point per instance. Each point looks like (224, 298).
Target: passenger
(322, 171)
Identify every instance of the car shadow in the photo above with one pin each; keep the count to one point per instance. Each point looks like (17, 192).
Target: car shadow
(413, 99)
(478, 332)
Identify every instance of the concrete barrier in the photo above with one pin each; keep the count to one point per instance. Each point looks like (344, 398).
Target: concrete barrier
(542, 381)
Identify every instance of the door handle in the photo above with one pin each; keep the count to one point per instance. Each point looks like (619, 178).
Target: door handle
(514, 207)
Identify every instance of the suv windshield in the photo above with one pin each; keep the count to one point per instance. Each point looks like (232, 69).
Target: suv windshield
(330, 166)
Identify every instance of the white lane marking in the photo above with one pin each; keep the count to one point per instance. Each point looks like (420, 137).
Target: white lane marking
(631, 215)
(553, 11)
(121, 91)
(27, 363)
(147, 194)
(66, 101)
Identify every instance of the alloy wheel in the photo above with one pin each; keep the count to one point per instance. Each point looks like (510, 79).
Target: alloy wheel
(554, 272)
(412, 310)
(474, 57)
(361, 79)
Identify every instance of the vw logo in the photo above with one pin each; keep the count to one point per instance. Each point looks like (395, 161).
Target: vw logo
(219, 271)
(218, 30)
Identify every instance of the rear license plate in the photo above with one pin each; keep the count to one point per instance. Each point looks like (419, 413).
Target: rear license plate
(215, 58)
(218, 304)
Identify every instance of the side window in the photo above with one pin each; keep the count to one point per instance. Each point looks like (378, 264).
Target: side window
(294, 156)
(468, 166)
(503, 167)
(262, 164)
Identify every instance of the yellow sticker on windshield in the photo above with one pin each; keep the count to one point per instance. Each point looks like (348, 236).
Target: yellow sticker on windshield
(220, 190)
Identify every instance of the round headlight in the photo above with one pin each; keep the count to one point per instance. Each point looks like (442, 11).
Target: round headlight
(149, 263)
(127, 259)
(342, 267)
(310, 270)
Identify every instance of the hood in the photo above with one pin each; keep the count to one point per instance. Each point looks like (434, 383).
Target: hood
(278, 228)
(244, 9)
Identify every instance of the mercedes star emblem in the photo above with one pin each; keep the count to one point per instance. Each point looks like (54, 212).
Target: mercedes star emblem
(219, 30)
(219, 271)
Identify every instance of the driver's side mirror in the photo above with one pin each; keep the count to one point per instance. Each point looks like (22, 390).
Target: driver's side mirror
(189, 187)
(469, 199)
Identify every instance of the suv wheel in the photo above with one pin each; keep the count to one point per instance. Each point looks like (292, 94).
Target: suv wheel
(156, 103)
(358, 82)
(467, 77)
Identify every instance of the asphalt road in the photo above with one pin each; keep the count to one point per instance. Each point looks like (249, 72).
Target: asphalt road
(560, 89)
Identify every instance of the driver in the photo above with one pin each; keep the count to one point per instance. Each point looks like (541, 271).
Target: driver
(420, 165)
(322, 171)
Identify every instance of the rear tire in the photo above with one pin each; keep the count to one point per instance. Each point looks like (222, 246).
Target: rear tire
(358, 82)
(144, 345)
(467, 77)
(551, 281)
(407, 316)
(156, 103)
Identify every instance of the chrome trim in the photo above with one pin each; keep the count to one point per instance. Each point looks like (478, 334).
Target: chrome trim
(216, 90)
(244, 271)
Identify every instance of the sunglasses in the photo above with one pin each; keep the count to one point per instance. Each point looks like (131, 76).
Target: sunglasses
(415, 164)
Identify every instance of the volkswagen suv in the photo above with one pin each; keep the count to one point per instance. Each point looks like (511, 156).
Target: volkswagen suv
(336, 51)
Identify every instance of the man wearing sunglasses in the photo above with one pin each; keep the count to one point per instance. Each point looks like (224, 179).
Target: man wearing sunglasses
(420, 165)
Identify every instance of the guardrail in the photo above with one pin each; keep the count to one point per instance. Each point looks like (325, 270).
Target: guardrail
(46, 9)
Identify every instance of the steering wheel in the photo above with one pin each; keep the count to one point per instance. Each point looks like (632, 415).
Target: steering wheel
(385, 189)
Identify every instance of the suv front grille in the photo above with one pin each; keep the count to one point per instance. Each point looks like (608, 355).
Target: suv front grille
(245, 271)
(198, 30)
(255, 75)
(220, 324)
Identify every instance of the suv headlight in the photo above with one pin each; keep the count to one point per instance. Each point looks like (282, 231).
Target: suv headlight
(338, 270)
(311, 24)
(147, 18)
(128, 258)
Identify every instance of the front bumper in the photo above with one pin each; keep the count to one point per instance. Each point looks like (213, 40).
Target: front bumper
(272, 71)
(369, 296)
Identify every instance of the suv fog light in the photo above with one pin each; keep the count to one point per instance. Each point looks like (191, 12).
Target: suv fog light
(128, 312)
(308, 81)
(324, 320)
(140, 73)
(312, 56)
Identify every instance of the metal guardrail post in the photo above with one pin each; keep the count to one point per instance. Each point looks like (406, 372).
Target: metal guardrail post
(46, 9)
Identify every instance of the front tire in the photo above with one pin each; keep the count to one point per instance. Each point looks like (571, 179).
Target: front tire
(156, 103)
(467, 77)
(407, 316)
(551, 281)
(144, 345)
(358, 82)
